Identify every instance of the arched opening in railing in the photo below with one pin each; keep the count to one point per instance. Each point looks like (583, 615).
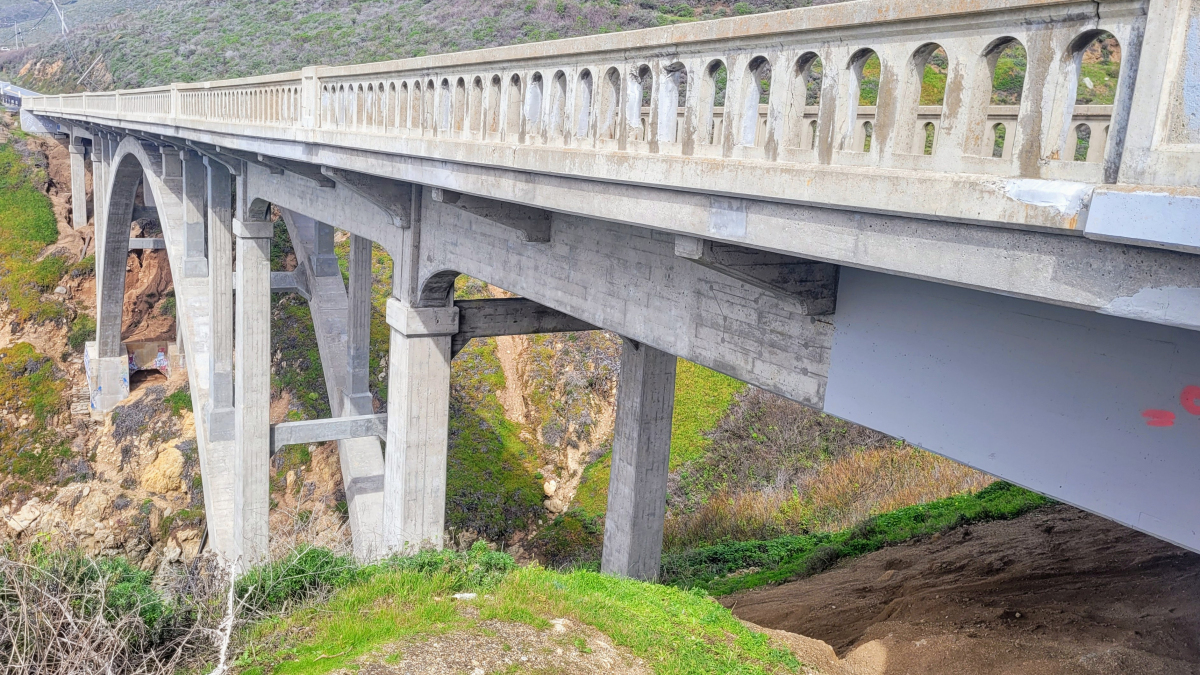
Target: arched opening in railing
(931, 65)
(807, 80)
(1006, 61)
(360, 107)
(672, 102)
(493, 105)
(865, 70)
(1083, 138)
(390, 112)
(610, 105)
(639, 86)
(583, 104)
(417, 119)
(533, 103)
(1096, 60)
(998, 136)
(712, 102)
(402, 103)
(445, 106)
(428, 122)
(459, 113)
(512, 113)
(557, 122)
(475, 105)
(756, 96)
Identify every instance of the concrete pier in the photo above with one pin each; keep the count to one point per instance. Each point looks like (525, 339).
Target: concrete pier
(79, 206)
(252, 387)
(414, 502)
(220, 264)
(358, 398)
(195, 191)
(637, 486)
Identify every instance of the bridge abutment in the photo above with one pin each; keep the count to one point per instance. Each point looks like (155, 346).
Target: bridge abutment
(637, 488)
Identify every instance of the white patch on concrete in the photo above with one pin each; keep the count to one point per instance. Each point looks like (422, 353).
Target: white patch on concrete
(727, 217)
(1172, 306)
(1191, 76)
(1066, 196)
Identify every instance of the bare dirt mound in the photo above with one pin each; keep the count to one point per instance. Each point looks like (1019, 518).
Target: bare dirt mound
(1057, 591)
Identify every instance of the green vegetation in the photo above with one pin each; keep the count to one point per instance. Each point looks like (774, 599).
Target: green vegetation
(1009, 76)
(491, 486)
(27, 225)
(83, 328)
(32, 392)
(702, 397)
(933, 81)
(712, 568)
(868, 83)
(178, 401)
(675, 631)
(1098, 72)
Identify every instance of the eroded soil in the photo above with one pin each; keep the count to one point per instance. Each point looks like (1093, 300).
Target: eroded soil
(1055, 592)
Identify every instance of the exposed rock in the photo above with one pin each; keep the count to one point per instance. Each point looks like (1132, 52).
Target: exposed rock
(165, 474)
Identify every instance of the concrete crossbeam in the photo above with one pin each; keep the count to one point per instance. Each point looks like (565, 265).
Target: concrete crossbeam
(323, 431)
(509, 316)
(291, 282)
(147, 243)
(637, 487)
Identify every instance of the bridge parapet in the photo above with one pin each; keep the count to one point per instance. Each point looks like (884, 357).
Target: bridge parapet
(768, 106)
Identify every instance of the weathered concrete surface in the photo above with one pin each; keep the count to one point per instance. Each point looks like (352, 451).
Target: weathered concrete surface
(360, 459)
(414, 503)
(641, 451)
(508, 316)
(252, 386)
(79, 209)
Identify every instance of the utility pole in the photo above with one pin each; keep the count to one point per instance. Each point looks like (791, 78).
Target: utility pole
(61, 21)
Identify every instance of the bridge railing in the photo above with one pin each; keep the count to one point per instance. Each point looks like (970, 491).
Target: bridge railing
(786, 88)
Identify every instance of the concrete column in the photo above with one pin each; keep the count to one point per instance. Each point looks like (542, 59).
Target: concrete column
(252, 389)
(358, 397)
(414, 502)
(147, 193)
(79, 204)
(99, 194)
(220, 259)
(195, 204)
(637, 486)
(324, 260)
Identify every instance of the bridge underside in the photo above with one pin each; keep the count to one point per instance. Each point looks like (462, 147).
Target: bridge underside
(1022, 353)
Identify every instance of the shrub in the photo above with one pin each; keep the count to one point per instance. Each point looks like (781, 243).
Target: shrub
(82, 330)
(178, 401)
(300, 575)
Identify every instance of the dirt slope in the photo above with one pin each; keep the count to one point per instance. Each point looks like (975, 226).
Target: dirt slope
(1058, 591)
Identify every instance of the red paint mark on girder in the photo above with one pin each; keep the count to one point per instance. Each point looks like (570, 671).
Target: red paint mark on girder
(1159, 418)
(1190, 399)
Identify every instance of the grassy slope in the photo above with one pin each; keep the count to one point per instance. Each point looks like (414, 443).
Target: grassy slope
(675, 631)
(30, 388)
(784, 558)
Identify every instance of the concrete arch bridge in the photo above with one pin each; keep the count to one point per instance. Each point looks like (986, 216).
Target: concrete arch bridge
(1012, 284)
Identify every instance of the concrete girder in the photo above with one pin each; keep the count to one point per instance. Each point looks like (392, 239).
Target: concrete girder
(1046, 266)
(291, 282)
